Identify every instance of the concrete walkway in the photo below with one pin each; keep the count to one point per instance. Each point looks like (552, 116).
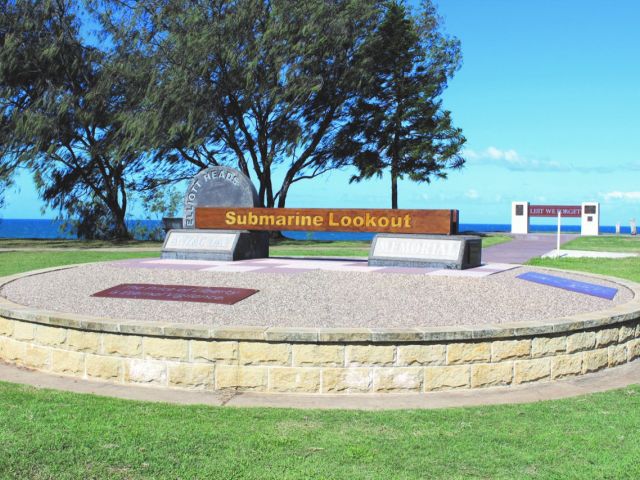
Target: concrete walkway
(523, 248)
(588, 254)
(617, 377)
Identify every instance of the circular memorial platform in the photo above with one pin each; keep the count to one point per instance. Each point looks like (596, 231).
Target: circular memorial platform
(316, 326)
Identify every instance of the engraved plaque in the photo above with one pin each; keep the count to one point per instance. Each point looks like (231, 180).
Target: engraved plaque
(519, 210)
(569, 284)
(177, 293)
(199, 241)
(417, 248)
(222, 245)
(428, 251)
(218, 187)
(553, 210)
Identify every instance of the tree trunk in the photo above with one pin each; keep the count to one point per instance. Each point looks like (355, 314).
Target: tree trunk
(395, 163)
(276, 236)
(394, 188)
(118, 207)
(284, 190)
(120, 231)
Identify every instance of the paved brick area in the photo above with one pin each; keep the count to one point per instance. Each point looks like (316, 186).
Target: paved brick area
(295, 266)
(497, 258)
(522, 248)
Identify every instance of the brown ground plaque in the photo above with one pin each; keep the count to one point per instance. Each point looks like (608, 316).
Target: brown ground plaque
(177, 293)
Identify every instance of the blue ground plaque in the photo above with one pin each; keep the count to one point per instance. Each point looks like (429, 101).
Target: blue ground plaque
(571, 285)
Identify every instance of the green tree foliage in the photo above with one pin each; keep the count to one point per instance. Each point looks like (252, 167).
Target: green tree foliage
(8, 163)
(256, 84)
(6, 175)
(60, 101)
(281, 89)
(398, 123)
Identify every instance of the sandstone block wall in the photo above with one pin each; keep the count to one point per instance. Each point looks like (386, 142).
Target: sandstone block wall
(341, 365)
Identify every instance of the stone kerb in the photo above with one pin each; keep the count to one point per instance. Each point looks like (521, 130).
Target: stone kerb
(319, 361)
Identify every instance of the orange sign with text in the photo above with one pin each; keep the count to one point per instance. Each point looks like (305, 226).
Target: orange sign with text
(444, 222)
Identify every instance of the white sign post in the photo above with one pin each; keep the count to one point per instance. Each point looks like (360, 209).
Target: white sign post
(590, 223)
(558, 240)
(520, 217)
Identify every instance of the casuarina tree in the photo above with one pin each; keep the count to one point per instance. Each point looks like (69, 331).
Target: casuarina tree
(60, 102)
(261, 85)
(398, 124)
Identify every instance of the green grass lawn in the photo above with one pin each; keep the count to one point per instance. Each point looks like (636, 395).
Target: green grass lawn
(22, 261)
(282, 248)
(605, 243)
(628, 268)
(495, 239)
(16, 262)
(47, 434)
(313, 248)
(58, 435)
(64, 243)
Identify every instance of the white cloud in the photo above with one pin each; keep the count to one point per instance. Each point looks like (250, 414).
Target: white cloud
(511, 160)
(510, 156)
(625, 196)
(472, 194)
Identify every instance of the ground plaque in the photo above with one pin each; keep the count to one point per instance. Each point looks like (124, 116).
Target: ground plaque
(572, 285)
(177, 293)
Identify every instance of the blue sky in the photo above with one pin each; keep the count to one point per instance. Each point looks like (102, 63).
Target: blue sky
(547, 96)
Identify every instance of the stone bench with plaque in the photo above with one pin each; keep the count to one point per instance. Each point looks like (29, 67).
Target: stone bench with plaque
(226, 245)
(432, 251)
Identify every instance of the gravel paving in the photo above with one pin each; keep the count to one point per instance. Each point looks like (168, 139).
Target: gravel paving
(315, 299)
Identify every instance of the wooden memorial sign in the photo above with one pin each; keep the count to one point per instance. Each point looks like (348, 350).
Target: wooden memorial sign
(443, 222)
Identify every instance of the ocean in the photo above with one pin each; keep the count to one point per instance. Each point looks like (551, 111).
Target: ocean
(52, 229)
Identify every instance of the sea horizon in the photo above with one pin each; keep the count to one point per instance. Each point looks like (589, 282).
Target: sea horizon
(25, 228)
